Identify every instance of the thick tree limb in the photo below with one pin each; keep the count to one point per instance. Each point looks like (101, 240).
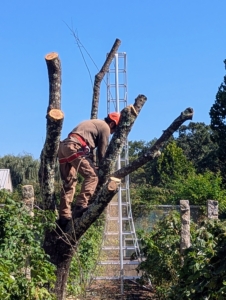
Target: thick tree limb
(54, 126)
(54, 72)
(61, 248)
(187, 114)
(102, 199)
(127, 119)
(99, 77)
(56, 247)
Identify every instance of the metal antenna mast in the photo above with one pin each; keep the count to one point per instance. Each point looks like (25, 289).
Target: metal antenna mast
(118, 251)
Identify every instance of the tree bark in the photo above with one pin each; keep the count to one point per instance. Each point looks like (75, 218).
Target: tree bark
(153, 152)
(54, 126)
(99, 77)
(127, 119)
(62, 246)
(105, 195)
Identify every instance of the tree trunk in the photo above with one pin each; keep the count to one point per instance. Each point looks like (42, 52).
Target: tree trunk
(61, 246)
(54, 125)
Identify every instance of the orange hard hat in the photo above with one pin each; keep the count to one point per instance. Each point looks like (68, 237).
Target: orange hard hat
(114, 116)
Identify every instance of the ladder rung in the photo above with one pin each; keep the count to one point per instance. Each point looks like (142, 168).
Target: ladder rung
(117, 233)
(116, 218)
(116, 203)
(116, 277)
(118, 248)
(125, 262)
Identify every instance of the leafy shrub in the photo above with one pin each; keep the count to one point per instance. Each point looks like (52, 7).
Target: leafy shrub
(161, 249)
(197, 188)
(203, 275)
(203, 272)
(84, 262)
(20, 248)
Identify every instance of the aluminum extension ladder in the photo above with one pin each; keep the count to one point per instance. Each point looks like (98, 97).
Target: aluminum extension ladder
(120, 239)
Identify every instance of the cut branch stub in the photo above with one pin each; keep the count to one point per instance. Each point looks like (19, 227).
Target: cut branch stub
(127, 119)
(99, 76)
(55, 114)
(153, 152)
(54, 72)
(54, 126)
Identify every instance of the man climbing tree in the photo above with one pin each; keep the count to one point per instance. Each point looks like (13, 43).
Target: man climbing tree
(61, 246)
(76, 156)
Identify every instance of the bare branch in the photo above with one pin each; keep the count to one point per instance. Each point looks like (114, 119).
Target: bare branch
(79, 44)
(99, 76)
(187, 114)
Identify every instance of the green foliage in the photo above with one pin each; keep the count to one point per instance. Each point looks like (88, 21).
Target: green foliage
(203, 272)
(84, 262)
(198, 188)
(195, 139)
(218, 124)
(145, 196)
(142, 174)
(20, 247)
(203, 275)
(161, 249)
(173, 177)
(171, 165)
(23, 168)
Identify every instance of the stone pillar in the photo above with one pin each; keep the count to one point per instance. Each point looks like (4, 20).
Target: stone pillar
(185, 240)
(28, 200)
(212, 209)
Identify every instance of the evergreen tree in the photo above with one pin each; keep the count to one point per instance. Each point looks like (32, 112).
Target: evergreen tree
(196, 141)
(141, 175)
(23, 168)
(218, 125)
(172, 165)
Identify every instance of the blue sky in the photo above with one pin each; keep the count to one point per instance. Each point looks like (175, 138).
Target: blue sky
(175, 51)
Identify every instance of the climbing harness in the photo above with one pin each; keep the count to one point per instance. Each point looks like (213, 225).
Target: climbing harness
(85, 149)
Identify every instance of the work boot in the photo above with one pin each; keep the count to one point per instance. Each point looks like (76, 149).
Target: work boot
(78, 211)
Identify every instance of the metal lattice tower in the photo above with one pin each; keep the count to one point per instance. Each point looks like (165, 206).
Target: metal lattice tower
(120, 239)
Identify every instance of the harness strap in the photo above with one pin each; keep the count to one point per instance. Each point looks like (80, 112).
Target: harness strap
(79, 138)
(71, 158)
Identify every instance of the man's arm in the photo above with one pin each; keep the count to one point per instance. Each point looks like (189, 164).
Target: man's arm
(103, 143)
